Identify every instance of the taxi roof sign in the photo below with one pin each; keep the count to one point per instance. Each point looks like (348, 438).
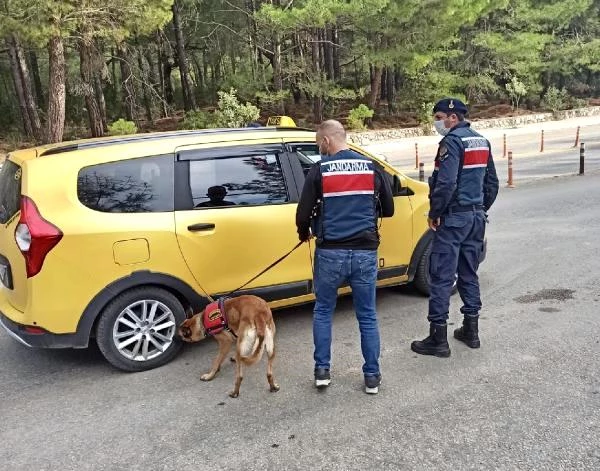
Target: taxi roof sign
(284, 121)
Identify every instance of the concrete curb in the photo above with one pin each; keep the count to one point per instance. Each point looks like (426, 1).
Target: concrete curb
(369, 137)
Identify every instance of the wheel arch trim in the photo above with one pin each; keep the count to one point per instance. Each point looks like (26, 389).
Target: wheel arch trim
(180, 289)
(420, 248)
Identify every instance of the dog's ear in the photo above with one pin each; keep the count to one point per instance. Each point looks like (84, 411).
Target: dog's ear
(184, 331)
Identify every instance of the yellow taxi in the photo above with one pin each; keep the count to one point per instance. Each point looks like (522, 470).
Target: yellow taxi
(120, 238)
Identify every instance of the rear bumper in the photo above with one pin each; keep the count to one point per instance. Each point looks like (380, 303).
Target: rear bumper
(45, 340)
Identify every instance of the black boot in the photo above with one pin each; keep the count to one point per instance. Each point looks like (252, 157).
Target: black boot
(436, 344)
(469, 332)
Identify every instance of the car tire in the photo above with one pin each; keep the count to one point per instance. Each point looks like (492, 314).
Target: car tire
(137, 330)
(422, 280)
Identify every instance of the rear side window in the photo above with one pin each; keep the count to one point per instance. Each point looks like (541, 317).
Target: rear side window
(142, 185)
(10, 190)
(308, 154)
(237, 181)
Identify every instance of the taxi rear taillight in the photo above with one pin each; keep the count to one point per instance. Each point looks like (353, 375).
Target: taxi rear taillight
(32, 330)
(35, 236)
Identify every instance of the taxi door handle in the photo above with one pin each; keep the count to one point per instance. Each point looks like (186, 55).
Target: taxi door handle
(201, 226)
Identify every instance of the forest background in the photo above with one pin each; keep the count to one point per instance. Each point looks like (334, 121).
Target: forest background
(73, 69)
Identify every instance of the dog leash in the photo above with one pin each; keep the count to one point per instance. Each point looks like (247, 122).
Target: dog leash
(279, 260)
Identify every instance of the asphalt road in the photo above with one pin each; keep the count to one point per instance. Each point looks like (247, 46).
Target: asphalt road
(529, 399)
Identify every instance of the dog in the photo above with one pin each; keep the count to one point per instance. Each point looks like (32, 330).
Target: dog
(246, 318)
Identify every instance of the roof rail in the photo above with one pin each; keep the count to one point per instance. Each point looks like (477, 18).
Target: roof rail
(156, 136)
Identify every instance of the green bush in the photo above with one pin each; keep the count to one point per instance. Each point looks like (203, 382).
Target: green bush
(555, 100)
(357, 116)
(516, 90)
(122, 127)
(231, 113)
(271, 98)
(425, 113)
(197, 120)
(425, 117)
(577, 102)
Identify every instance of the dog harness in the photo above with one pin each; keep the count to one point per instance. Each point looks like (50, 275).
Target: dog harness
(214, 318)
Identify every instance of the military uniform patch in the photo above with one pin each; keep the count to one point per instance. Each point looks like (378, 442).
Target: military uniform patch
(442, 153)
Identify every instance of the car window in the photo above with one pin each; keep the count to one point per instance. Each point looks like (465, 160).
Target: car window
(10, 190)
(237, 181)
(128, 186)
(308, 154)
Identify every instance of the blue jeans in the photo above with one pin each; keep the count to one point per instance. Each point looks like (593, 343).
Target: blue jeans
(456, 248)
(359, 269)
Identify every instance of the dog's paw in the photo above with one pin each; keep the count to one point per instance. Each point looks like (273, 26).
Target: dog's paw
(234, 394)
(207, 377)
(274, 388)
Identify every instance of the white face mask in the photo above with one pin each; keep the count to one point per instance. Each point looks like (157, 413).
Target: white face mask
(440, 128)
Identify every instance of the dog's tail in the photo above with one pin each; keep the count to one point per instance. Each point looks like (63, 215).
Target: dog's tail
(253, 343)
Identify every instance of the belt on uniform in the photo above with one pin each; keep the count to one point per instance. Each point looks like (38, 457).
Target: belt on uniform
(465, 208)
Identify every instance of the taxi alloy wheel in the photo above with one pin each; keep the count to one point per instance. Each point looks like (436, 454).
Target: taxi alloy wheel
(138, 329)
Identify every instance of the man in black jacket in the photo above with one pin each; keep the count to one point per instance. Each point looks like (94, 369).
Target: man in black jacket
(342, 198)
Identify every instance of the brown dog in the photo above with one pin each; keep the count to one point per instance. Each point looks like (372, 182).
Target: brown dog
(249, 318)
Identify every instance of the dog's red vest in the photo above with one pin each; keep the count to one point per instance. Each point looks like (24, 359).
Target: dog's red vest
(214, 318)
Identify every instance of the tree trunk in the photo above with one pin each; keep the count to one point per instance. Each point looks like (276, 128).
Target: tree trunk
(397, 79)
(37, 82)
(32, 124)
(145, 86)
(168, 83)
(252, 36)
(199, 76)
(128, 86)
(152, 70)
(189, 103)
(383, 87)
(233, 59)
(218, 71)
(296, 93)
(322, 51)
(375, 87)
(16, 76)
(112, 90)
(32, 109)
(205, 70)
(165, 66)
(56, 89)
(277, 77)
(391, 92)
(317, 98)
(99, 92)
(86, 69)
(328, 49)
(337, 71)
